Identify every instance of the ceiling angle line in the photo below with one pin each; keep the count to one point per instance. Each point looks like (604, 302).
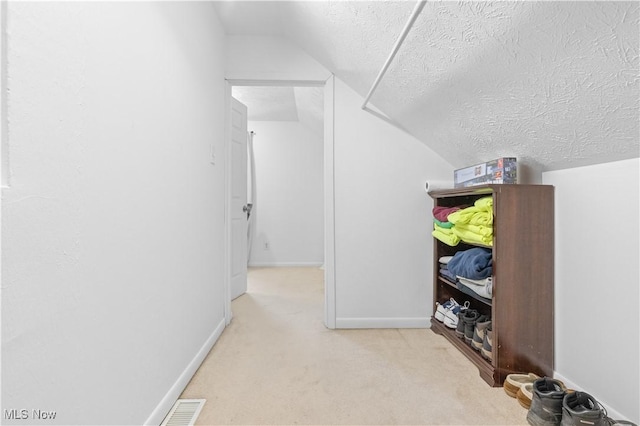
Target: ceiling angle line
(414, 15)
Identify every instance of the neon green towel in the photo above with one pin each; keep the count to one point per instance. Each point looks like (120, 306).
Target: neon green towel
(481, 213)
(485, 203)
(445, 235)
(474, 234)
(447, 225)
(465, 228)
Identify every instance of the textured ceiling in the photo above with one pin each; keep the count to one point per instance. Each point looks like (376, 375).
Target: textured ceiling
(556, 84)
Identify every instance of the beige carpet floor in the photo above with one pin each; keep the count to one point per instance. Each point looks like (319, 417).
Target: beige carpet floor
(276, 363)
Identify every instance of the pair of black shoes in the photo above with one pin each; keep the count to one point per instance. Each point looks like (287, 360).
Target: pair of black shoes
(466, 323)
(552, 405)
(471, 327)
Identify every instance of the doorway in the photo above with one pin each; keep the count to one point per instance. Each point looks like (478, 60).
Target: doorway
(287, 216)
(293, 145)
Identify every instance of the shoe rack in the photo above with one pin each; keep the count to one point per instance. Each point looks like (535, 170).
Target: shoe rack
(521, 307)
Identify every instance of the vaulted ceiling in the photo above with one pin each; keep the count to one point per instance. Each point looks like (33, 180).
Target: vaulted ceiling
(556, 84)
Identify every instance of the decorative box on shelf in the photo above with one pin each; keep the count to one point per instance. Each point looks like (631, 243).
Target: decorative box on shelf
(499, 171)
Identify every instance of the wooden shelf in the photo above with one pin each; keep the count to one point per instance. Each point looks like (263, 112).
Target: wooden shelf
(484, 366)
(470, 294)
(521, 307)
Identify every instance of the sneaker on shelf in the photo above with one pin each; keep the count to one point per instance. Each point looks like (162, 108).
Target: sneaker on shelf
(487, 343)
(478, 333)
(451, 316)
(470, 318)
(460, 326)
(441, 309)
(546, 402)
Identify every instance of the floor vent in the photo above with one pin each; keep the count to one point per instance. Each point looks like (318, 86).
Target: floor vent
(184, 412)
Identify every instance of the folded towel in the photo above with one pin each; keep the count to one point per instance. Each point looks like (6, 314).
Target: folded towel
(483, 288)
(474, 263)
(472, 215)
(441, 213)
(445, 273)
(482, 218)
(484, 231)
(485, 203)
(443, 224)
(450, 239)
(466, 290)
(474, 234)
(482, 282)
(445, 259)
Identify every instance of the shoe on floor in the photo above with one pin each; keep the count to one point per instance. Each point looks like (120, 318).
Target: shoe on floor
(546, 402)
(580, 408)
(524, 395)
(514, 382)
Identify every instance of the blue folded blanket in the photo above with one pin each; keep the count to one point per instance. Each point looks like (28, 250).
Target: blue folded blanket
(474, 263)
(445, 273)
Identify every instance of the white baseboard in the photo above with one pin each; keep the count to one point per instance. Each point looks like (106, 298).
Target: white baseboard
(421, 322)
(174, 392)
(283, 264)
(611, 412)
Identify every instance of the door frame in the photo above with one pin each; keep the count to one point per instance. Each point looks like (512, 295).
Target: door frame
(329, 189)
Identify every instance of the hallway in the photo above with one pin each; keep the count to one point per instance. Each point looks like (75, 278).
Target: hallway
(277, 364)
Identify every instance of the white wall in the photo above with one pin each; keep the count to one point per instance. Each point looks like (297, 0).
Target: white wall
(383, 220)
(270, 58)
(596, 286)
(289, 198)
(113, 227)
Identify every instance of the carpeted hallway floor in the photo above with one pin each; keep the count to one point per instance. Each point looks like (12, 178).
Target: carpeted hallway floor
(277, 364)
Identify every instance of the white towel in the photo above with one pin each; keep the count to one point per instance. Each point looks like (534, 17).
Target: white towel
(445, 259)
(482, 288)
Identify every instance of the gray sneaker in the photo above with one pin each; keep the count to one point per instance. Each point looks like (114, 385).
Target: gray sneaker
(460, 326)
(478, 332)
(546, 404)
(487, 343)
(470, 318)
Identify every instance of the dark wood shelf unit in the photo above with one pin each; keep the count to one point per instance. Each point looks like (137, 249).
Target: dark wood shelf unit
(522, 303)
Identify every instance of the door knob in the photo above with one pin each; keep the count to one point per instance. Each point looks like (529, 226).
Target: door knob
(247, 209)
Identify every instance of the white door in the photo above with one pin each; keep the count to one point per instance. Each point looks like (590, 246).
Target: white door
(238, 198)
